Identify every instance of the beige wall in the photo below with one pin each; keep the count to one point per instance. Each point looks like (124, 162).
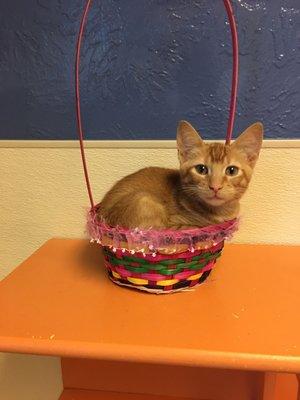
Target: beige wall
(43, 195)
(24, 377)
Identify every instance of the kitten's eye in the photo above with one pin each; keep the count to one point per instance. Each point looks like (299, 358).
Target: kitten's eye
(232, 170)
(201, 169)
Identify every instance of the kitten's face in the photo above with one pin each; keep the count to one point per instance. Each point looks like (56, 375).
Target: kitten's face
(216, 173)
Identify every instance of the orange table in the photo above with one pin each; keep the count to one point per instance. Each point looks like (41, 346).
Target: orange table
(214, 342)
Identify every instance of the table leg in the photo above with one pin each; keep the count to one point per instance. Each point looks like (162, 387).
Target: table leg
(279, 386)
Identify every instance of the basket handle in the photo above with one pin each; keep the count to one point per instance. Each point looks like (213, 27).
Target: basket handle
(233, 97)
(77, 100)
(235, 69)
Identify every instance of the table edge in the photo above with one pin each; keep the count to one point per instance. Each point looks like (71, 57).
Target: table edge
(152, 354)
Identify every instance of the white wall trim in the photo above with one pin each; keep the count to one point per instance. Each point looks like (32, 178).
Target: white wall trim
(125, 144)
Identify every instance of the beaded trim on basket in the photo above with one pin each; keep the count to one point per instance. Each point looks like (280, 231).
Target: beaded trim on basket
(153, 240)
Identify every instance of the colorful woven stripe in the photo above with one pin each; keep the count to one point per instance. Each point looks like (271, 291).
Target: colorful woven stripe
(164, 273)
(139, 284)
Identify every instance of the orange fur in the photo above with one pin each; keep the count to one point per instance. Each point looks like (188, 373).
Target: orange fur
(160, 198)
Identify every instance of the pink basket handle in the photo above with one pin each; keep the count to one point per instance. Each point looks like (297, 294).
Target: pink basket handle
(235, 69)
(233, 97)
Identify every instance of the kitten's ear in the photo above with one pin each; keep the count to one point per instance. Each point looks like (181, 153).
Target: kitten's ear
(250, 142)
(188, 141)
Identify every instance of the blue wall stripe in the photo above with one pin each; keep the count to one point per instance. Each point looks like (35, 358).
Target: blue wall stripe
(147, 64)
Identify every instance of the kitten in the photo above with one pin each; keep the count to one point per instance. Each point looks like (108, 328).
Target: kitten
(205, 190)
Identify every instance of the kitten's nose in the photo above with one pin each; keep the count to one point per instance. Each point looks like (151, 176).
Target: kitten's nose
(215, 188)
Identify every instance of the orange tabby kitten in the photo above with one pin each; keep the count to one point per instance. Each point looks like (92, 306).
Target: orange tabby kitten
(205, 190)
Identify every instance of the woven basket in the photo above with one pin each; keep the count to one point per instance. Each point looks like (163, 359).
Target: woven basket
(159, 261)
